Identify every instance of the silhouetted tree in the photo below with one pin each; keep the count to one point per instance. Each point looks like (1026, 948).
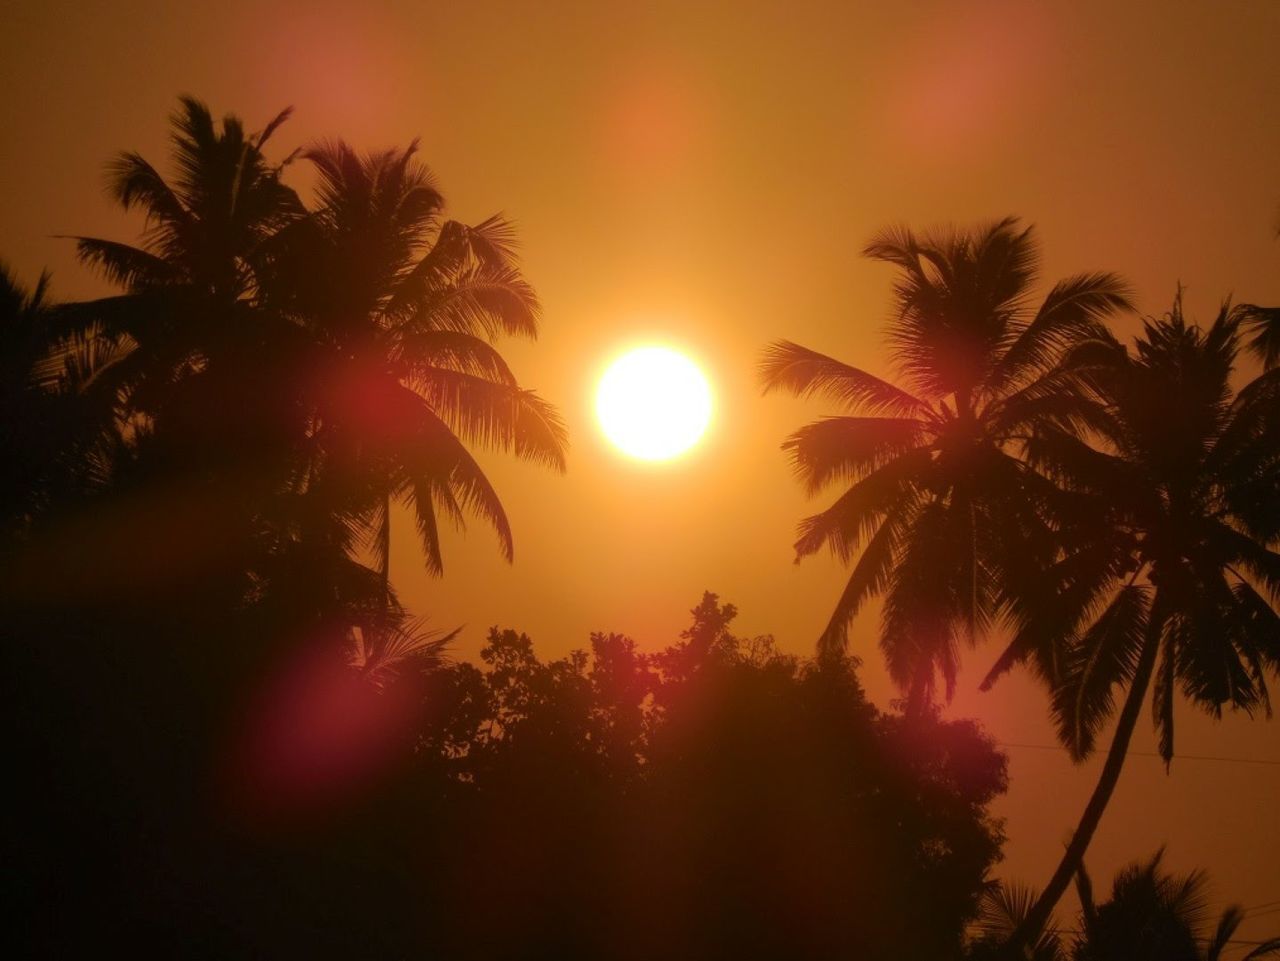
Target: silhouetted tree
(400, 311)
(941, 512)
(1156, 916)
(1003, 908)
(1151, 916)
(1171, 574)
(57, 413)
(714, 800)
(237, 419)
(200, 381)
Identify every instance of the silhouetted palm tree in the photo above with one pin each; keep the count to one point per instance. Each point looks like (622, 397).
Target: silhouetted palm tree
(57, 404)
(1156, 916)
(308, 368)
(1175, 580)
(1002, 909)
(941, 507)
(189, 284)
(401, 310)
(1150, 916)
(204, 382)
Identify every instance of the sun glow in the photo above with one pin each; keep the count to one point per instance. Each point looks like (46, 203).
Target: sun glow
(653, 403)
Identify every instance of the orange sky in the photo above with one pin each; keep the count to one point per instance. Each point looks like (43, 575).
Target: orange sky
(706, 174)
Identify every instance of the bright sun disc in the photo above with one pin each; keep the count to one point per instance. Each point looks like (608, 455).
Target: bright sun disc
(653, 403)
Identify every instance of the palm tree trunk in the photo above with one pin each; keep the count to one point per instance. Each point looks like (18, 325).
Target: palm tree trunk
(1073, 857)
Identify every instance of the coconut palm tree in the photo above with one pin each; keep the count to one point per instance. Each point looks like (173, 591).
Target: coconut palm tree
(57, 404)
(1151, 916)
(203, 382)
(1174, 585)
(401, 309)
(938, 507)
(1000, 911)
(189, 284)
(1156, 916)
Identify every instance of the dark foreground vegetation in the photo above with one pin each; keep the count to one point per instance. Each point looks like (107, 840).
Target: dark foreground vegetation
(715, 799)
(230, 739)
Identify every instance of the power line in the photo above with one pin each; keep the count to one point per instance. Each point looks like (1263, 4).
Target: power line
(1183, 757)
(1202, 940)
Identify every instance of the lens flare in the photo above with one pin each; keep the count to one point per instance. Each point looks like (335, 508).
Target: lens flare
(653, 403)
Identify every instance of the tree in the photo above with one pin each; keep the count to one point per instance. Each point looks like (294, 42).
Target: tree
(201, 382)
(56, 407)
(939, 509)
(1156, 916)
(238, 423)
(1151, 916)
(1170, 578)
(401, 310)
(190, 285)
(714, 799)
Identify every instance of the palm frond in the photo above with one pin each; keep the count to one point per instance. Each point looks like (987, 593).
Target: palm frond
(841, 449)
(843, 526)
(1228, 923)
(132, 181)
(925, 603)
(441, 472)
(424, 350)
(1105, 657)
(487, 301)
(496, 415)
(1267, 949)
(870, 576)
(493, 242)
(1072, 312)
(1002, 909)
(806, 373)
(384, 653)
(1263, 323)
(123, 264)
(272, 126)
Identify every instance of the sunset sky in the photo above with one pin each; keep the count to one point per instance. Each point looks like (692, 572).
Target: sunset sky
(704, 175)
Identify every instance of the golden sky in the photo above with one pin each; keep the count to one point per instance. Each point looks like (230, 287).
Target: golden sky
(705, 174)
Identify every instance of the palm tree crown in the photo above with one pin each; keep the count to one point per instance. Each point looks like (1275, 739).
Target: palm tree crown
(939, 504)
(401, 308)
(1178, 577)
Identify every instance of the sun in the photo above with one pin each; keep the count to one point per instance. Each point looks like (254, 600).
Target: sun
(653, 403)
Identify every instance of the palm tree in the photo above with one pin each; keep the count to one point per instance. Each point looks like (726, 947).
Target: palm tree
(1174, 583)
(1002, 909)
(400, 310)
(944, 512)
(57, 405)
(189, 285)
(1156, 916)
(208, 410)
(1151, 916)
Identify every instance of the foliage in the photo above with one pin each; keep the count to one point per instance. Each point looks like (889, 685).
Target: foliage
(713, 799)
(1169, 575)
(1152, 915)
(276, 374)
(942, 514)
